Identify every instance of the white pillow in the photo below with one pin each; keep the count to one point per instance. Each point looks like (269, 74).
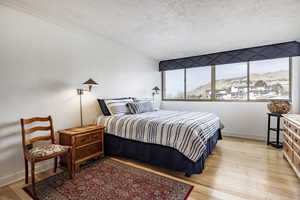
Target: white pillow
(118, 107)
(140, 107)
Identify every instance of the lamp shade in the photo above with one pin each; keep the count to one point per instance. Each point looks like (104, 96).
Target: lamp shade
(156, 88)
(90, 82)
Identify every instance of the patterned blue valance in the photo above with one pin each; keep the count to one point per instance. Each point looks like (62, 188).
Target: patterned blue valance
(287, 49)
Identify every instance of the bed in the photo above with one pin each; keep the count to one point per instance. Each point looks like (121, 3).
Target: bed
(174, 140)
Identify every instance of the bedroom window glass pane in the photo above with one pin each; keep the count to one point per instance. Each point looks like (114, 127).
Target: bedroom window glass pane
(231, 81)
(269, 79)
(198, 83)
(174, 84)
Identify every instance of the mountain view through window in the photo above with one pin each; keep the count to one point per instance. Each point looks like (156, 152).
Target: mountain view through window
(267, 79)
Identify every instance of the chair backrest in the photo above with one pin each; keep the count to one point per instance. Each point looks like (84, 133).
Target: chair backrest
(26, 131)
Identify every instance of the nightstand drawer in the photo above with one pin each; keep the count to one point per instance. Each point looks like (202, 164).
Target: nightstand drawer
(88, 150)
(96, 136)
(82, 139)
(87, 138)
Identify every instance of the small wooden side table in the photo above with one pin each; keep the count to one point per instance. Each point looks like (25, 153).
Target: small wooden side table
(277, 130)
(87, 142)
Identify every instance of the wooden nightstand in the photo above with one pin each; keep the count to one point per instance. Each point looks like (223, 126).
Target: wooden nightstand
(87, 142)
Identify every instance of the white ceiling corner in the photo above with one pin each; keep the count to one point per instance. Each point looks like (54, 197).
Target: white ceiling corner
(165, 29)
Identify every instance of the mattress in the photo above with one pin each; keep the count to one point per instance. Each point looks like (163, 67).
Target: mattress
(187, 132)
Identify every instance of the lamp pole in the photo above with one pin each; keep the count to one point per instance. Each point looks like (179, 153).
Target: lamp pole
(153, 94)
(81, 120)
(80, 93)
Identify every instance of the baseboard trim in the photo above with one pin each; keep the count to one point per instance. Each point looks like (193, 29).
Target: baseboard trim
(246, 136)
(15, 177)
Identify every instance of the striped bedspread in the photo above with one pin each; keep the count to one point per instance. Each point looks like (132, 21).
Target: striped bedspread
(186, 132)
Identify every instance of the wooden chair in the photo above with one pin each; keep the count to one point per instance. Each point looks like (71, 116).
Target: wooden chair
(43, 152)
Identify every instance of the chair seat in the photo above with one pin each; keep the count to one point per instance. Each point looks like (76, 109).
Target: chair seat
(47, 150)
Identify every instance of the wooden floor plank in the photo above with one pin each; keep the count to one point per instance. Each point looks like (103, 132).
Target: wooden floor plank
(6, 193)
(238, 169)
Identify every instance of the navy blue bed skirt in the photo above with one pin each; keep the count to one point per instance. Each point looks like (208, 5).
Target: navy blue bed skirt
(161, 156)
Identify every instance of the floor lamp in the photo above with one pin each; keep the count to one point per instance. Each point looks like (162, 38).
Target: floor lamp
(90, 83)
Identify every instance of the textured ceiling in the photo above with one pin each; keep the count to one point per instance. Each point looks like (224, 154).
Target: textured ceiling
(165, 29)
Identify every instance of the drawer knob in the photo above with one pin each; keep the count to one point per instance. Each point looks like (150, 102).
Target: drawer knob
(83, 139)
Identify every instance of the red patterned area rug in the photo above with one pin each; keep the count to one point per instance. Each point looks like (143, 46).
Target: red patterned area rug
(109, 179)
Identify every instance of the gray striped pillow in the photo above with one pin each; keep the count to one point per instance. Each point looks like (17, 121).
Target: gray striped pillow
(118, 107)
(140, 107)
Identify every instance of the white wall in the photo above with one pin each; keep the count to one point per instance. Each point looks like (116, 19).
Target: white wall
(241, 119)
(41, 65)
(296, 84)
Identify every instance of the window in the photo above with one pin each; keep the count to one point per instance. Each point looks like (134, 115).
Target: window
(269, 79)
(248, 81)
(174, 84)
(198, 83)
(231, 82)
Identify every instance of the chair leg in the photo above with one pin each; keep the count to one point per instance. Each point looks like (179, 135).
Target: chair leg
(55, 165)
(33, 179)
(26, 170)
(70, 167)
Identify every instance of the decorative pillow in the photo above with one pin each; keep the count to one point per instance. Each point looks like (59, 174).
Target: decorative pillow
(118, 107)
(103, 106)
(141, 99)
(140, 107)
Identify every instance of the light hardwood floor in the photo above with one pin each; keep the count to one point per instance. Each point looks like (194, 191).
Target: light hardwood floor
(237, 169)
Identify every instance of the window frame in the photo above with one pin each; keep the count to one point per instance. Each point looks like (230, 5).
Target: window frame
(213, 87)
(163, 82)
